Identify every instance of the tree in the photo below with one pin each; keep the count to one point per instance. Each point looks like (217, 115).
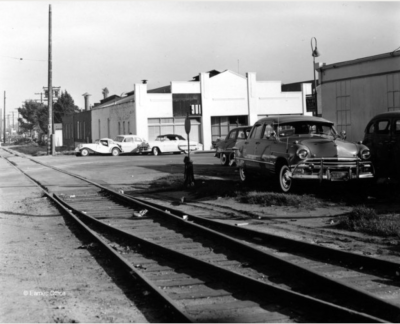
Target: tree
(64, 106)
(33, 114)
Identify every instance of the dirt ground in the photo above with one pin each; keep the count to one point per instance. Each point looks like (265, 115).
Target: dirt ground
(46, 273)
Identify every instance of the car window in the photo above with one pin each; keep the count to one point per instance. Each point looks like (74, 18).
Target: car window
(268, 131)
(382, 127)
(241, 134)
(138, 139)
(119, 139)
(257, 131)
(105, 143)
(371, 128)
(285, 130)
(397, 126)
(232, 135)
(129, 139)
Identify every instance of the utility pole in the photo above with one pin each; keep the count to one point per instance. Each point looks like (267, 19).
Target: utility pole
(4, 128)
(50, 145)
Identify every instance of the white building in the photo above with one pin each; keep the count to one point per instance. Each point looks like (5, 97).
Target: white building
(215, 101)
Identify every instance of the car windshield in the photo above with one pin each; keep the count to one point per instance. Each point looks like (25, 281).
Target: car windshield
(306, 128)
(119, 139)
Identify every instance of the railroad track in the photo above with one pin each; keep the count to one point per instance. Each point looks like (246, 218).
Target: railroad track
(207, 271)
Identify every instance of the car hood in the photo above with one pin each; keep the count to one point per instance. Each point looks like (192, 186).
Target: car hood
(324, 147)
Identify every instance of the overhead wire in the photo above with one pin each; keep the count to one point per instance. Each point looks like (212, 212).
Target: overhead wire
(22, 59)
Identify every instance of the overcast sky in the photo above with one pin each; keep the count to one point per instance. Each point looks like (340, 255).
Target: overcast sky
(115, 44)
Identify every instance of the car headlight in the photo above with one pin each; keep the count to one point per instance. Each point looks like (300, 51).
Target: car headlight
(302, 153)
(365, 154)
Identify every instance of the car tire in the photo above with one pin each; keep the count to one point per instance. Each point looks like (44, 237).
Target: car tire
(156, 151)
(224, 159)
(285, 183)
(84, 152)
(115, 152)
(244, 175)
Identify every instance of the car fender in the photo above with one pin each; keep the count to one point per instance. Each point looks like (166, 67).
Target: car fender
(87, 148)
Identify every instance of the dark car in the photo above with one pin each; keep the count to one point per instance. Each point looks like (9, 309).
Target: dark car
(225, 147)
(292, 148)
(382, 136)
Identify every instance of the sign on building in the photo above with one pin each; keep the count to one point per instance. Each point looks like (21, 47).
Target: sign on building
(311, 104)
(184, 103)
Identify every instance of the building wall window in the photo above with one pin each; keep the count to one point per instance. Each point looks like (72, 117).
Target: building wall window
(108, 128)
(123, 127)
(220, 126)
(343, 105)
(160, 126)
(99, 129)
(119, 128)
(393, 94)
(77, 130)
(129, 127)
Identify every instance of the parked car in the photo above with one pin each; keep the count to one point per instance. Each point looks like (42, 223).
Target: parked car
(382, 136)
(225, 147)
(291, 148)
(169, 143)
(129, 143)
(102, 146)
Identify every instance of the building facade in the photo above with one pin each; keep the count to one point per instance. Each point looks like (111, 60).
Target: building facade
(353, 92)
(214, 101)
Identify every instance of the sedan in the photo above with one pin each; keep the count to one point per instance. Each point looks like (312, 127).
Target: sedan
(225, 147)
(294, 148)
(169, 143)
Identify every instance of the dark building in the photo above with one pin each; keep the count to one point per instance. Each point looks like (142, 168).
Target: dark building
(77, 128)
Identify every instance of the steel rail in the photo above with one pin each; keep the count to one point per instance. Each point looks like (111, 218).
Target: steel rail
(255, 285)
(378, 307)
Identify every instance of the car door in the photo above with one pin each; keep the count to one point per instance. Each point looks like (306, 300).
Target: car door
(264, 148)
(103, 147)
(395, 145)
(128, 144)
(230, 141)
(250, 147)
(381, 146)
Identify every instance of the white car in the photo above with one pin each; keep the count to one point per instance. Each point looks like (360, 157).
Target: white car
(169, 143)
(129, 143)
(102, 146)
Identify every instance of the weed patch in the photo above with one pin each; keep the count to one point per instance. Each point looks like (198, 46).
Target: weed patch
(277, 199)
(366, 220)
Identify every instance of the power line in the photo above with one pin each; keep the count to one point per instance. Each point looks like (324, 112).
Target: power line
(22, 59)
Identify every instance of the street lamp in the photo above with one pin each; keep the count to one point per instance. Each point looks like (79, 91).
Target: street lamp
(314, 53)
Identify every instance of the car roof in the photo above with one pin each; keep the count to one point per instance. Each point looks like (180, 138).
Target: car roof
(387, 114)
(241, 127)
(291, 119)
(106, 139)
(169, 135)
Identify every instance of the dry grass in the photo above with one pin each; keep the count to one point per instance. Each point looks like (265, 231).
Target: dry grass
(366, 220)
(267, 198)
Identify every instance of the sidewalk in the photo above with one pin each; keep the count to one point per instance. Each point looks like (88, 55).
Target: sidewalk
(45, 274)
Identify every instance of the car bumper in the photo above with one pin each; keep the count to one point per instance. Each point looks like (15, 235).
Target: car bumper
(332, 169)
